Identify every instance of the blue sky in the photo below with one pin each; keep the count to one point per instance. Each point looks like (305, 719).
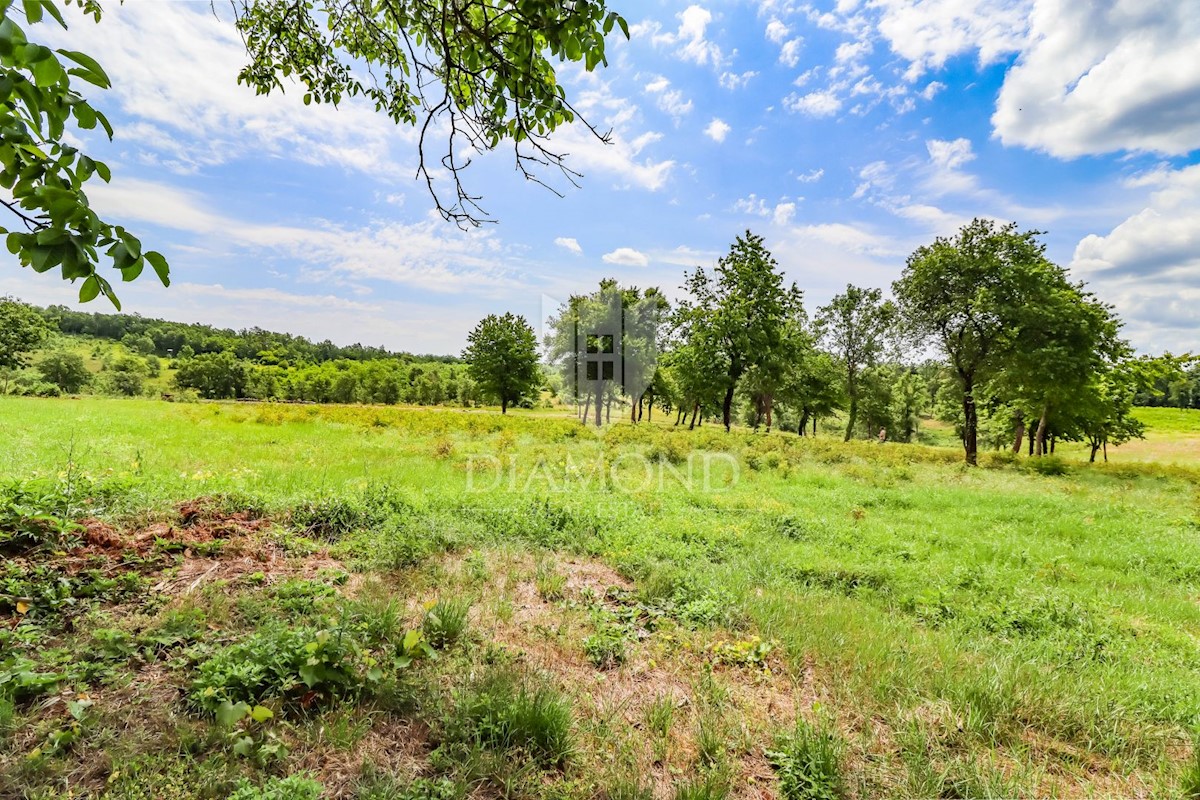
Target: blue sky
(847, 133)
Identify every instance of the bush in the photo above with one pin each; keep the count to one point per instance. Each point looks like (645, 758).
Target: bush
(510, 712)
(606, 647)
(1047, 465)
(807, 762)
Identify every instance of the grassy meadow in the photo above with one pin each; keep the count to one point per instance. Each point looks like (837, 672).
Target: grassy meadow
(284, 601)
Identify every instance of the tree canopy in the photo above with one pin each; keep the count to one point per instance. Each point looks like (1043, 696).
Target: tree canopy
(502, 358)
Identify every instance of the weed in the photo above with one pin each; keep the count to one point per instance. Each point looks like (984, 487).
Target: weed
(710, 741)
(293, 787)
(808, 763)
(446, 621)
(660, 715)
(299, 666)
(508, 711)
(628, 789)
(713, 786)
(550, 584)
(750, 652)
(606, 647)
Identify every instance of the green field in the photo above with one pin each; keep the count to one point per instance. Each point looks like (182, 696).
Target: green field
(652, 612)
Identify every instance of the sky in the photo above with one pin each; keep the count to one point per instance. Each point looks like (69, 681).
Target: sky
(846, 133)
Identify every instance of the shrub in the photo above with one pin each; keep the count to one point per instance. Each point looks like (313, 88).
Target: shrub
(33, 515)
(1047, 465)
(446, 621)
(807, 762)
(507, 711)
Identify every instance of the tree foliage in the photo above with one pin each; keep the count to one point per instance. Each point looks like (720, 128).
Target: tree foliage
(738, 315)
(55, 226)
(856, 325)
(22, 331)
(64, 369)
(502, 358)
(481, 70)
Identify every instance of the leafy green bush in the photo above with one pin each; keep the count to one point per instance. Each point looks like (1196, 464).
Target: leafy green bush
(446, 621)
(290, 664)
(293, 787)
(507, 711)
(1046, 465)
(35, 514)
(807, 762)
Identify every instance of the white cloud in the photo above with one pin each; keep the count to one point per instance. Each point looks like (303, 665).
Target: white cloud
(717, 130)
(753, 204)
(733, 80)
(568, 243)
(624, 156)
(812, 176)
(1105, 77)
(851, 51)
(180, 85)
(674, 104)
(949, 155)
(927, 33)
(783, 213)
(428, 254)
(931, 90)
(690, 39)
(626, 256)
(1161, 239)
(776, 31)
(657, 85)
(789, 54)
(815, 104)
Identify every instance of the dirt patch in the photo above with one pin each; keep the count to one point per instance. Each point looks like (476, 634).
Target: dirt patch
(668, 664)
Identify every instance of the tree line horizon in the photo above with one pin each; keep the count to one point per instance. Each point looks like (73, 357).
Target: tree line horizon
(1026, 357)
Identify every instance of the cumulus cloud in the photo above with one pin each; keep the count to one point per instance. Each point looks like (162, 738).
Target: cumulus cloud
(1161, 239)
(927, 33)
(777, 31)
(812, 176)
(822, 103)
(789, 54)
(569, 243)
(179, 84)
(783, 213)
(689, 40)
(949, 155)
(735, 80)
(717, 130)
(626, 256)
(1104, 77)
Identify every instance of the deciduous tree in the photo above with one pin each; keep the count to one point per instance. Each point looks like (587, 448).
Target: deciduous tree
(502, 358)
(856, 325)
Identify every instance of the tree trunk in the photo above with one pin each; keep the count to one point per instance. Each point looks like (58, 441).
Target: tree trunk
(1032, 436)
(970, 423)
(1095, 448)
(851, 414)
(802, 428)
(1040, 440)
(727, 408)
(814, 426)
(1105, 449)
(608, 410)
(503, 406)
(1019, 438)
(770, 408)
(695, 411)
(599, 397)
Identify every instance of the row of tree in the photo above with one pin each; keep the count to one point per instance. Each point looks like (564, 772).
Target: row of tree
(984, 330)
(167, 339)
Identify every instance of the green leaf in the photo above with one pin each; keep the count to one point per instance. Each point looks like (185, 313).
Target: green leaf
(411, 639)
(229, 714)
(101, 168)
(90, 289)
(243, 747)
(160, 266)
(261, 714)
(133, 270)
(98, 76)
